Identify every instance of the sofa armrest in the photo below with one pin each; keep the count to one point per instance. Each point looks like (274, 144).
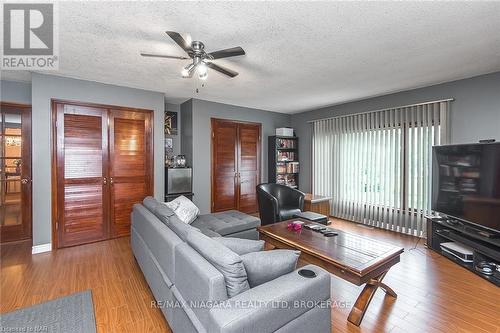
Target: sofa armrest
(272, 305)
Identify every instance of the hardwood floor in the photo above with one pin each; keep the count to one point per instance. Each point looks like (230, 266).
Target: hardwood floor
(122, 299)
(434, 294)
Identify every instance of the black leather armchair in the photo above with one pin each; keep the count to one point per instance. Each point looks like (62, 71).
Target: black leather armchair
(278, 202)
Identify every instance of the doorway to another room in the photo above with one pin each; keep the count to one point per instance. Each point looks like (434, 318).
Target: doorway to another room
(15, 172)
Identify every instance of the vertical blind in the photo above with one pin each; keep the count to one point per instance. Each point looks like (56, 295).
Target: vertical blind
(377, 165)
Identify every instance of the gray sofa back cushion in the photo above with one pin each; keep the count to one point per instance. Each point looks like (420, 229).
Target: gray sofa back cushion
(150, 203)
(163, 212)
(240, 245)
(226, 261)
(265, 266)
(180, 228)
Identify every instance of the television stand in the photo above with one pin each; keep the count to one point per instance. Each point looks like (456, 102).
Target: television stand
(485, 244)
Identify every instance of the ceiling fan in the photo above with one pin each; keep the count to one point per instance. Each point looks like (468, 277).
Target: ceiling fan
(201, 60)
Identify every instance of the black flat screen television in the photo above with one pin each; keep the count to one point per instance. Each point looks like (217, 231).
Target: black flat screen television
(466, 183)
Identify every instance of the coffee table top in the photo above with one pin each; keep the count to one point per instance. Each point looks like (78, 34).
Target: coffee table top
(356, 253)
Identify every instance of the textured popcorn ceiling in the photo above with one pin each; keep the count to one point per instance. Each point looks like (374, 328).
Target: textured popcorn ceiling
(300, 56)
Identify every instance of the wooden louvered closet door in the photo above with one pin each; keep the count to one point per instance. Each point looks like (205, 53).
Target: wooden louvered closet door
(130, 165)
(224, 165)
(248, 166)
(81, 167)
(102, 167)
(235, 165)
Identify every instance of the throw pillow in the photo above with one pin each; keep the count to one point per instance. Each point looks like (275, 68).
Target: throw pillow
(241, 246)
(184, 208)
(228, 263)
(265, 266)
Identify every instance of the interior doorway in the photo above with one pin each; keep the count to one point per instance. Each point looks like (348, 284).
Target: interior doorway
(15, 172)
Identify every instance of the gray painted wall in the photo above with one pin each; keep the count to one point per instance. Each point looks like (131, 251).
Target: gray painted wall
(475, 113)
(202, 112)
(46, 87)
(15, 92)
(187, 131)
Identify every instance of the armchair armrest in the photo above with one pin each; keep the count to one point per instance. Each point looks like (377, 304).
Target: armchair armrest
(272, 305)
(268, 207)
(294, 198)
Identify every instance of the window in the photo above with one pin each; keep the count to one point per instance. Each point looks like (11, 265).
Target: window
(376, 166)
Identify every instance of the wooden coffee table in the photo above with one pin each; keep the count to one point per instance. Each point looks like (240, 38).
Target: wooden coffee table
(354, 258)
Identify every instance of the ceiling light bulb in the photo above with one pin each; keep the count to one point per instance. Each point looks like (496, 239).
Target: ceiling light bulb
(203, 76)
(186, 71)
(202, 69)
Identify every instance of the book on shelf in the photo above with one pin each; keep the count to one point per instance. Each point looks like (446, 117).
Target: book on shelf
(284, 156)
(286, 143)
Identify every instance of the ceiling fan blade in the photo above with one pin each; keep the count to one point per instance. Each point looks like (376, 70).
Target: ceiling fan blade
(162, 56)
(222, 70)
(180, 41)
(232, 52)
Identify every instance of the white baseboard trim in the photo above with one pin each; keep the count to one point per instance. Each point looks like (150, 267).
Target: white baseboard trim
(41, 248)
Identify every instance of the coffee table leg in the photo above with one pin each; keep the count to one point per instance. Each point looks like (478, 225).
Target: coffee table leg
(358, 310)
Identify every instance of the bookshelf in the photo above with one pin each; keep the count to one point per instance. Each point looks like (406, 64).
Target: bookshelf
(283, 160)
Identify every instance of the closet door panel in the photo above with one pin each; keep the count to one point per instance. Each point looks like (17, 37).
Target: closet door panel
(81, 162)
(130, 165)
(249, 166)
(224, 165)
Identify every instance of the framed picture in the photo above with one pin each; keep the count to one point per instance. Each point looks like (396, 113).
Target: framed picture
(170, 123)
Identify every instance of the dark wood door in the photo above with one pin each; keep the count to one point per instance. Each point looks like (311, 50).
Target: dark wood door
(235, 165)
(248, 166)
(224, 165)
(131, 167)
(15, 172)
(82, 169)
(103, 165)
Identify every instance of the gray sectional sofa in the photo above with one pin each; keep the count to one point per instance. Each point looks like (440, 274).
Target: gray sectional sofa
(191, 291)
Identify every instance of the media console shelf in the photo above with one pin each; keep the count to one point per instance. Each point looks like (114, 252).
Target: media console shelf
(485, 248)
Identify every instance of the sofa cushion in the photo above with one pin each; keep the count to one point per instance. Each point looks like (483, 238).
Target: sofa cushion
(287, 213)
(228, 222)
(150, 203)
(265, 266)
(180, 228)
(241, 246)
(228, 263)
(209, 233)
(163, 212)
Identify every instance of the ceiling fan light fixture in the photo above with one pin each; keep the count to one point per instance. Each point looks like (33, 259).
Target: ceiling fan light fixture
(202, 69)
(186, 71)
(195, 50)
(203, 76)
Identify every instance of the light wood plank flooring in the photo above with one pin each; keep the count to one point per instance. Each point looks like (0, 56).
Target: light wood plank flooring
(435, 295)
